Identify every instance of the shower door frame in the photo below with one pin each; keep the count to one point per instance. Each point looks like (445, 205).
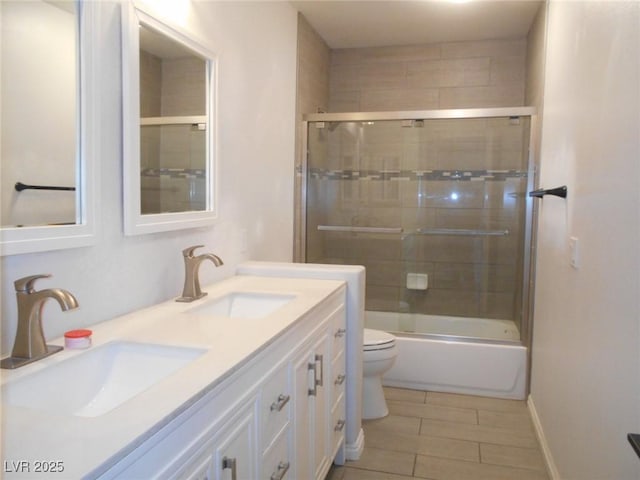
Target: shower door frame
(300, 224)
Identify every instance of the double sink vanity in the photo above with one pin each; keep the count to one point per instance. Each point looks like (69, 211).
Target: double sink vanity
(247, 382)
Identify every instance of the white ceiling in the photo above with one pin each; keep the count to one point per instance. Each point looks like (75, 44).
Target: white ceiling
(354, 24)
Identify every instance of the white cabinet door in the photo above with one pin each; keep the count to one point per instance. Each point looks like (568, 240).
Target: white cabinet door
(235, 448)
(320, 408)
(302, 435)
(311, 409)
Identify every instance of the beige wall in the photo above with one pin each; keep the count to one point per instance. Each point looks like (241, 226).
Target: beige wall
(585, 383)
(421, 77)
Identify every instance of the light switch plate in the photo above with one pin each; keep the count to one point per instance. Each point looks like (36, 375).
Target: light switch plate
(573, 252)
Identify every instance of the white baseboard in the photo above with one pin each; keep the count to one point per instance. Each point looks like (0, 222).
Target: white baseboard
(546, 451)
(354, 450)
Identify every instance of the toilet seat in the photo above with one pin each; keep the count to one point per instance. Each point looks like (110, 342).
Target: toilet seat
(377, 340)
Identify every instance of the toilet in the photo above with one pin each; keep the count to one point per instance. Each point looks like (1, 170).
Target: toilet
(379, 353)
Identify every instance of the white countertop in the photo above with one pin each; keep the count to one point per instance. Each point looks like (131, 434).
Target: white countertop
(84, 444)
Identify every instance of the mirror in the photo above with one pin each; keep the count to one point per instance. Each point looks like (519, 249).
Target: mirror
(46, 146)
(168, 135)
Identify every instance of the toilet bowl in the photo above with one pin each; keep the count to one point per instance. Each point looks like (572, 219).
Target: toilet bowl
(379, 353)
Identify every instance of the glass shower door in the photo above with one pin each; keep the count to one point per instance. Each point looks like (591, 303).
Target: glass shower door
(434, 209)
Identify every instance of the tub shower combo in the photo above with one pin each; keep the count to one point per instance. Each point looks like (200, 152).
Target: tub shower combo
(434, 204)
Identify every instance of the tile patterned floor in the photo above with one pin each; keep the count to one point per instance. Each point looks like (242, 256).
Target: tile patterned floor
(442, 436)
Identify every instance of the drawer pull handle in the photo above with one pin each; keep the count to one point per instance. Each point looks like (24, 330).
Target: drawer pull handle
(340, 379)
(314, 390)
(279, 404)
(230, 463)
(339, 426)
(314, 366)
(281, 471)
(320, 358)
(340, 332)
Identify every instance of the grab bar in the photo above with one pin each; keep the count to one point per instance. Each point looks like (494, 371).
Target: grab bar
(342, 228)
(19, 186)
(462, 232)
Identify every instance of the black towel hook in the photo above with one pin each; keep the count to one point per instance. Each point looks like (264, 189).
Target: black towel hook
(558, 192)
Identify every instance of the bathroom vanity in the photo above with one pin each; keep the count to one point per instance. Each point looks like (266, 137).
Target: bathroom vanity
(245, 383)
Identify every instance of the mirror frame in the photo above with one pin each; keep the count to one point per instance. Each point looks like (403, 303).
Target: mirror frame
(135, 223)
(20, 240)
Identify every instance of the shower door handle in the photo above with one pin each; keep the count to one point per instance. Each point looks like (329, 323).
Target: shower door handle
(352, 229)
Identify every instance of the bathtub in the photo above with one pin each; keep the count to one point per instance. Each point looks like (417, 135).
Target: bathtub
(453, 360)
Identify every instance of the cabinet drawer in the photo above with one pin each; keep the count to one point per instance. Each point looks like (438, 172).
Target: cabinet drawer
(277, 460)
(338, 333)
(338, 425)
(275, 405)
(338, 378)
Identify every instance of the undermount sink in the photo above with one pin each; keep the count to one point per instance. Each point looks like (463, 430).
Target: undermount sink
(243, 305)
(97, 381)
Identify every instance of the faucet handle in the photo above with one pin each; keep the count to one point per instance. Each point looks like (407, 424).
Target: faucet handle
(188, 252)
(26, 284)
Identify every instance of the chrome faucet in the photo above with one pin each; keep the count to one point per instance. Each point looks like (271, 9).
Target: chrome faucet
(30, 344)
(192, 263)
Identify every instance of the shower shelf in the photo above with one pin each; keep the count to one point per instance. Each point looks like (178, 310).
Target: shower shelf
(419, 231)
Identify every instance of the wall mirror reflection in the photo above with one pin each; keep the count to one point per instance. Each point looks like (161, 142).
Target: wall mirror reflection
(45, 123)
(168, 129)
(38, 91)
(173, 125)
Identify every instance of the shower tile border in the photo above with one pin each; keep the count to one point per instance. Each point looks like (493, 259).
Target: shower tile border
(173, 172)
(431, 175)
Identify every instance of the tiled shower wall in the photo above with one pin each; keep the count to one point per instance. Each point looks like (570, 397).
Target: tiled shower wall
(478, 74)
(465, 174)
